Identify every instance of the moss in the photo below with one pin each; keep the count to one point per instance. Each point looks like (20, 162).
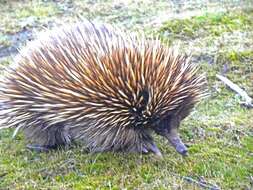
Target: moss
(4, 62)
(213, 24)
(17, 15)
(38, 10)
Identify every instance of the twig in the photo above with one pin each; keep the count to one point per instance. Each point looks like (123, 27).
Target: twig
(202, 183)
(251, 179)
(248, 100)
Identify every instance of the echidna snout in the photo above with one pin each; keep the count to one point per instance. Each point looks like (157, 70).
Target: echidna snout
(177, 143)
(169, 129)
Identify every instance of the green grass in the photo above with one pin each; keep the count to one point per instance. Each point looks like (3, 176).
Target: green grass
(219, 131)
(209, 24)
(16, 15)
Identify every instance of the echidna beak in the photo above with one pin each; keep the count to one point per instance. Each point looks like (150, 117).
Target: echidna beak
(178, 145)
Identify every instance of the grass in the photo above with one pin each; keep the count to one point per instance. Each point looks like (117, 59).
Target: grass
(17, 15)
(219, 131)
(209, 24)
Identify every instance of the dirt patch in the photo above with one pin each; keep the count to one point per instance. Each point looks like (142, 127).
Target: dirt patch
(17, 40)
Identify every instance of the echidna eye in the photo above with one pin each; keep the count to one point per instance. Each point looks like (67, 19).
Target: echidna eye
(144, 94)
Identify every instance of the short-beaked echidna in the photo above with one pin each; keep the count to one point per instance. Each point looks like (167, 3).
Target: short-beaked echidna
(94, 83)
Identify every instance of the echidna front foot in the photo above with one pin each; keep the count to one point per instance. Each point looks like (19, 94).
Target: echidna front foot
(39, 148)
(151, 147)
(44, 148)
(155, 150)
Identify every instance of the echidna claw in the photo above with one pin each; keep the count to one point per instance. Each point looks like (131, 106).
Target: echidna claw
(155, 150)
(144, 150)
(38, 148)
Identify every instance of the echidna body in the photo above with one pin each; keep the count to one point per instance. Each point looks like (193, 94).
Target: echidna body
(93, 83)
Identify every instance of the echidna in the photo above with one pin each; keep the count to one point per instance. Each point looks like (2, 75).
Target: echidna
(94, 83)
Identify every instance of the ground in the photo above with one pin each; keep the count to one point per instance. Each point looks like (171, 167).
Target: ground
(219, 131)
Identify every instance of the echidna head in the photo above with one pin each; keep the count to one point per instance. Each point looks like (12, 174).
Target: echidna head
(168, 128)
(166, 125)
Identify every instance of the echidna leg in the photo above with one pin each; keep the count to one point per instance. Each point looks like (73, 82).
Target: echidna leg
(45, 139)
